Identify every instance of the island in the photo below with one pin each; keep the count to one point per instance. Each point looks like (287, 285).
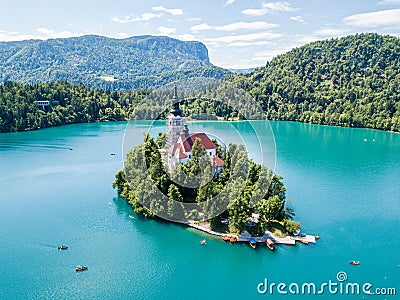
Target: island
(190, 178)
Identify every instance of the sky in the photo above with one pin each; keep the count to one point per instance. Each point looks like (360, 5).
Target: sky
(238, 33)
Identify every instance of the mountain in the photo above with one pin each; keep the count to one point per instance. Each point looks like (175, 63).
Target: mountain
(352, 81)
(101, 62)
(242, 71)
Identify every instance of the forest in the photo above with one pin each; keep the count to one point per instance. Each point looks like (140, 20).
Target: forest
(352, 81)
(69, 103)
(138, 62)
(243, 188)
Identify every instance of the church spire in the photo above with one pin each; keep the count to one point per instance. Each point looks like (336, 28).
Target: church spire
(175, 104)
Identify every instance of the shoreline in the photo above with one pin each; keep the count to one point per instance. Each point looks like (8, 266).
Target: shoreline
(128, 120)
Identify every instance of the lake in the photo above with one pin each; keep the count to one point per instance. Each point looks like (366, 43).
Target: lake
(343, 183)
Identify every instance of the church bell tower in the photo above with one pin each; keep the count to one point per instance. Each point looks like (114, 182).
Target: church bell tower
(176, 122)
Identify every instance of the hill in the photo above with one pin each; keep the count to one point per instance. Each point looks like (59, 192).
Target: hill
(101, 62)
(352, 81)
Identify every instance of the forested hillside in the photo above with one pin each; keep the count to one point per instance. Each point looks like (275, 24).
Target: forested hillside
(101, 62)
(70, 103)
(352, 81)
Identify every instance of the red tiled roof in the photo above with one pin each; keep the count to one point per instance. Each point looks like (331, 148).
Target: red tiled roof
(179, 153)
(204, 140)
(218, 161)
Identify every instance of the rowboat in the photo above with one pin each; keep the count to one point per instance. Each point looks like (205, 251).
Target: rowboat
(270, 244)
(80, 268)
(252, 243)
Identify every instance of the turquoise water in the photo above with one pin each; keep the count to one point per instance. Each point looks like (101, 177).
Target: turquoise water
(343, 183)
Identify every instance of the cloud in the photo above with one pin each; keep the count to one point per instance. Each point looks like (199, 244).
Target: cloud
(166, 30)
(269, 54)
(297, 19)
(183, 37)
(128, 19)
(248, 44)
(194, 19)
(201, 27)
(50, 33)
(374, 19)
(269, 7)
(236, 26)
(172, 11)
(122, 35)
(246, 37)
(229, 2)
(389, 2)
(42, 34)
(331, 32)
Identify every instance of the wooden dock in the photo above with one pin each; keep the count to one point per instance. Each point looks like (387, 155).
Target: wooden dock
(245, 236)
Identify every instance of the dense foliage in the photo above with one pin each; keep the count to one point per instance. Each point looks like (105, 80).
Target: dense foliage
(243, 188)
(351, 81)
(70, 103)
(106, 63)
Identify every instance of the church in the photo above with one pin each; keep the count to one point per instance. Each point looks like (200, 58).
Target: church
(180, 141)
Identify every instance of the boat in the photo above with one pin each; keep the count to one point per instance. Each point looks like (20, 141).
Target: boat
(62, 247)
(252, 243)
(233, 239)
(203, 242)
(356, 263)
(132, 217)
(80, 268)
(317, 237)
(225, 237)
(270, 244)
(305, 242)
(109, 203)
(303, 235)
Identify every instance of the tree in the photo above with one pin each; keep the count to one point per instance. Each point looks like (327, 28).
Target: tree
(174, 206)
(291, 226)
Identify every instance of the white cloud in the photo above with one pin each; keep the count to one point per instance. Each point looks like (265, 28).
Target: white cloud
(194, 19)
(248, 44)
(122, 35)
(183, 37)
(236, 26)
(229, 2)
(166, 30)
(331, 32)
(128, 19)
(254, 12)
(200, 27)
(269, 7)
(246, 37)
(269, 54)
(42, 34)
(389, 2)
(7, 37)
(306, 39)
(297, 19)
(172, 11)
(389, 17)
(50, 33)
